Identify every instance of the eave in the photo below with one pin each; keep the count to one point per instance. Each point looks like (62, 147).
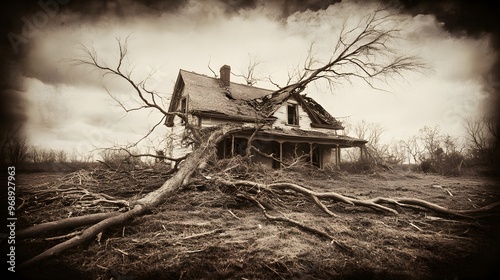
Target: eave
(220, 116)
(341, 141)
(174, 102)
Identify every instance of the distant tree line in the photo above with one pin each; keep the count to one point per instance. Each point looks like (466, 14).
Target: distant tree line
(431, 150)
(16, 151)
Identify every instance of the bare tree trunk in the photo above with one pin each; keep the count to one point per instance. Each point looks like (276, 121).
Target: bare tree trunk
(152, 199)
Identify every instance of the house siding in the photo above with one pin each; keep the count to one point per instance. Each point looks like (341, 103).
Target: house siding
(176, 146)
(304, 120)
(282, 116)
(209, 122)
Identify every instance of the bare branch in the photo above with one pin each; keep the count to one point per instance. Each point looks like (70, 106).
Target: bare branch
(138, 155)
(249, 74)
(92, 60)
(213, 72)
(248, 150)
(367, 52)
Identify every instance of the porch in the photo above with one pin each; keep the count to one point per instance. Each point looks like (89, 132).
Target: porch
(278, 149)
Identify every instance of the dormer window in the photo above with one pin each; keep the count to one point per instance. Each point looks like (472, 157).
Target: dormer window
(293, 114)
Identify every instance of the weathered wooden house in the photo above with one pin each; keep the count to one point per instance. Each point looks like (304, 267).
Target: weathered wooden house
(293, 125)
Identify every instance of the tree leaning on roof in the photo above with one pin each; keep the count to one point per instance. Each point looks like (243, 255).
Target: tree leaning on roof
(363, 52)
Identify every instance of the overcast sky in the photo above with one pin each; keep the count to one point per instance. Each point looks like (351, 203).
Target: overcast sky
(66, 106)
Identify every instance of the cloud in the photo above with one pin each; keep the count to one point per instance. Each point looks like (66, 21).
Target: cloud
(68, 104)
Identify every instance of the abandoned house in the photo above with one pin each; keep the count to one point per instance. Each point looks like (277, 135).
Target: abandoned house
(294, 126)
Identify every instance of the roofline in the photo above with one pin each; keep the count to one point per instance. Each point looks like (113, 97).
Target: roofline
(203, 75)
(174, 101)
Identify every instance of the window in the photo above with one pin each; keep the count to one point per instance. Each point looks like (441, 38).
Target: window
(293, 116)
(183, 109)
(183, 105)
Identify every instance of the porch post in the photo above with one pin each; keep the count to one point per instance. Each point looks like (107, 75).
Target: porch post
(281, 154)
(224, 148)
(232, 145)
(337, 156)
(311, 153)
(361, 153)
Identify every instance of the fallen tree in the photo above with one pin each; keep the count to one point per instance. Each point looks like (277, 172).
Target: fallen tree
(356, 55)
(262, 195)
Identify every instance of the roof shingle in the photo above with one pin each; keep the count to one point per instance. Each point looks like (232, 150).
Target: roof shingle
(207, 94)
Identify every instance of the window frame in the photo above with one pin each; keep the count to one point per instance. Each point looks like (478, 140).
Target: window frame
(183, 108)
(295, 114)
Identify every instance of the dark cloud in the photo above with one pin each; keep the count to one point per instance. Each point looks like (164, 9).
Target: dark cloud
(20, 20)
(11, 99)
(471, 19)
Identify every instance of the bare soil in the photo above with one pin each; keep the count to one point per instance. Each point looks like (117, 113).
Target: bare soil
(205, 232)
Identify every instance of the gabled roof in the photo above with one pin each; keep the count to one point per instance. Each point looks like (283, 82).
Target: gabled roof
(209, 97)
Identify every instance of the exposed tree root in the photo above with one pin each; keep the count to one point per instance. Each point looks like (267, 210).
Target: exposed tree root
(68, 223)
(87, 234)
(374, 203)
(87, 198)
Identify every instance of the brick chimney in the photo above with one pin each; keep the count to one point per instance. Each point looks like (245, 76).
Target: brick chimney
(225, 75)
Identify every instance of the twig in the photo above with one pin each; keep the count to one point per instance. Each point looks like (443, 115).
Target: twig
(121, 251)
(105, 163)
(194, 251)
(413, 225)
(274, 271)
(63, 236)
(231, 212)
(202, 234)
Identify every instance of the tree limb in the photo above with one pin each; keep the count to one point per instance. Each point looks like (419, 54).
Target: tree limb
(374, 203)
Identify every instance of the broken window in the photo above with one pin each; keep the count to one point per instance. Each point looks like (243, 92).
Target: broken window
(293, 115)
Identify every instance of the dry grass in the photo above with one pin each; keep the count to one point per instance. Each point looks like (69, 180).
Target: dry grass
(205, 232)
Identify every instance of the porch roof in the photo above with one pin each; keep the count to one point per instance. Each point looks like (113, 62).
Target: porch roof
(295, 135)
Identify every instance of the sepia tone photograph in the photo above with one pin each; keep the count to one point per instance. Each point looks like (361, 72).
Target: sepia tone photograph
(250, 139)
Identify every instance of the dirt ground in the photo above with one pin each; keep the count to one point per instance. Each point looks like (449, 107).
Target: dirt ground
(205, 232)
